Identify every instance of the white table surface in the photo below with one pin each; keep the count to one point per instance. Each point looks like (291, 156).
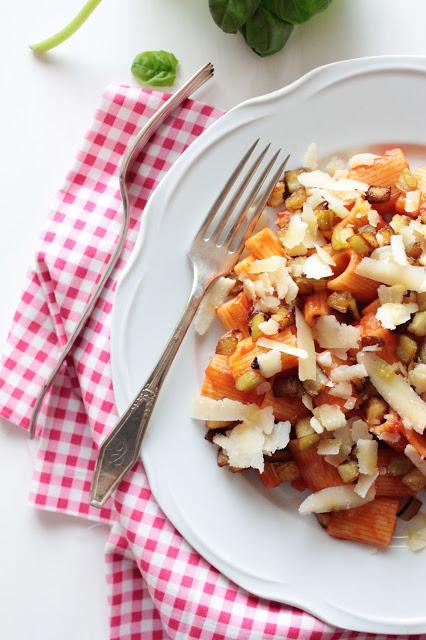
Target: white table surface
(51, 566)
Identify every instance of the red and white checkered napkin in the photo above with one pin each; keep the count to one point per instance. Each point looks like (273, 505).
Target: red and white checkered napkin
(159, 586)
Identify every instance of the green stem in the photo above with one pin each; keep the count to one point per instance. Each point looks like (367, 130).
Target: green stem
(68, 30)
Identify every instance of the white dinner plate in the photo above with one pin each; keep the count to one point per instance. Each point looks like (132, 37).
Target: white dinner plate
(255, 537)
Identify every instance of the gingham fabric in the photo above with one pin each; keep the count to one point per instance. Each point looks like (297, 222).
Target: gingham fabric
(159, 587)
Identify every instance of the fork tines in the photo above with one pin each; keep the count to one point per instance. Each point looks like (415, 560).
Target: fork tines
(226, 230)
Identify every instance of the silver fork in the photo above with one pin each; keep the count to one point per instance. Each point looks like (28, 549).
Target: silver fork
(214, 252)
(135, 147)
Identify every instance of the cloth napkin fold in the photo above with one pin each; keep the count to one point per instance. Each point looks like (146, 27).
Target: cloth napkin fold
(159, 587)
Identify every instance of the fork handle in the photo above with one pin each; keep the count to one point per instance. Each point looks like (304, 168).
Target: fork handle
(121, 448)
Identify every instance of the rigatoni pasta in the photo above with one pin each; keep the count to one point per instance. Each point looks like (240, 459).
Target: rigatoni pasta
(320, 380)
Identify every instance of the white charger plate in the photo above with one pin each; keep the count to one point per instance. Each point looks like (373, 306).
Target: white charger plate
(254, 537)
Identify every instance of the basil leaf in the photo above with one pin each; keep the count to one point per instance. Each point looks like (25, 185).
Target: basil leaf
(265, 33)
(295, 11)
(230, 15)
(157, 68)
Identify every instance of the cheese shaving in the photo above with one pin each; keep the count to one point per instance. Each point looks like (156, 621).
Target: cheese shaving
(269, 363)
(278, 438)
(393, 294)
(329, 446)
(267, 264)
(331, 334)
(280, 346)
(305, 342)
(396, 392)
(204, 408)
(295, 232)
(398, 250)
(330, 416)
(362, 160)
(325, 256)
(334, 499)
(269, 327)
(341, 390)
(310, 159)
(412, 278)
(316, 425)
(350, 404)
(215, 296)
(417, 532)
(415, 458)
(373, 218)
(346, 372)
(359, 430)
(391, 315)
(316, 268)
(365, 482)
(417, 377)
(412, 201)
(366, 452)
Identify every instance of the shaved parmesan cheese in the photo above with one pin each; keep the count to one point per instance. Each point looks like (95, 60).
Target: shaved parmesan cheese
(269, 327)
(296, 266)
(360, 431)
(390, 315)
(336, 459)
(295, 232)
(394, 294)
(263, 285)
(269, 363)
(384, 254)
(280, 346)
(268, 304)
(310, 218)
(307, 401)
(278, 439)
(305, 342)
(334, 203)
(417, 377)
(350, 404)
(316, 268)
(334, 499)
(362, 160)
(365, 482)
(412, 201)
(396, 392)
(373, 347)
(413, 278)
(325, 256)
(331, 334)
(417, 532)
(316, 425)
(249, 289)
(398, 250)
(334, 165)
(366, 452)
(373, 218)
(243, 445)
(267, 264)
(415, 458)
(330, 416)
(310, 159)
(215, 296)
(341, 390)
(204, 408)
(329, 446)
(346, 372)
(324, 359)
(322, 180)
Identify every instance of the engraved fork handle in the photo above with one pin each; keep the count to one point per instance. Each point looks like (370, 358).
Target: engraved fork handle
(135, 147)
(121, 448)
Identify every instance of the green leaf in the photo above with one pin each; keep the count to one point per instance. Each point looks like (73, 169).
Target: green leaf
(295, 11)
(265, 33)
(230, 15)
(157, 68)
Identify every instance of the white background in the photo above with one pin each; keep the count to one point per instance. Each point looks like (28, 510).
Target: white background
(51, 566)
